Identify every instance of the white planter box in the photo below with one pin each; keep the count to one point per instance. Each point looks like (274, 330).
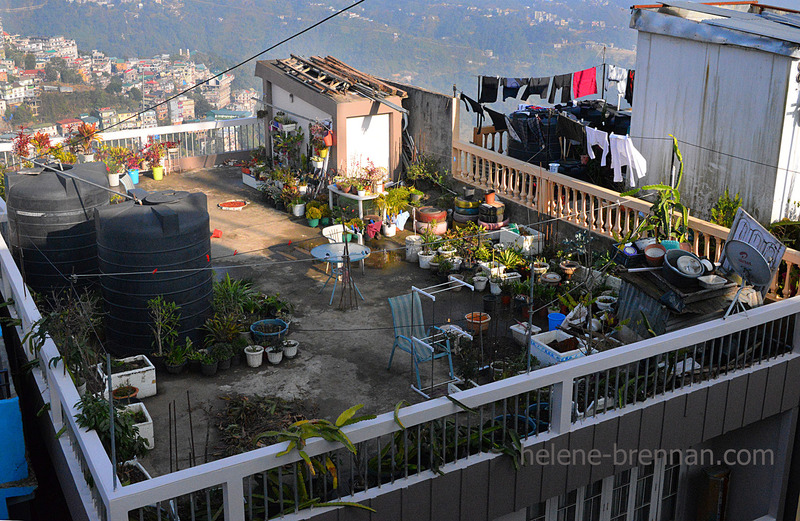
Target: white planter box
(530, 244)
(251, 181)
(495, 269)
(549, 356)
(145, 428)
(520, 333)
(144, 379)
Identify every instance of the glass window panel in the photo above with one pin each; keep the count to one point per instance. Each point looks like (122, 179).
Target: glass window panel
(593, 502)
(536, 512)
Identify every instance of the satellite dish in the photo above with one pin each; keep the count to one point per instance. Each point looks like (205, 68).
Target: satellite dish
(750, 264)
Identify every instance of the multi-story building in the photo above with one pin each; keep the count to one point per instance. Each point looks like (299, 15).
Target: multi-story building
(148, 119)
(217, 91)
(107, 117)
(67, 126)
(180, 109)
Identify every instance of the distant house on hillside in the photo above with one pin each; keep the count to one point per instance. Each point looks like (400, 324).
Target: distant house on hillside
(365, 112)
(66, 126)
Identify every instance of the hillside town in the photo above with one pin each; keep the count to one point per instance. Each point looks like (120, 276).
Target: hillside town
(55, 65)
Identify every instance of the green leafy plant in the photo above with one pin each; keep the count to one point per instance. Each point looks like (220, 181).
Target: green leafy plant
(667, 202)
(95, 415)
(178, 354)
(222, 329)
(166, 317)
(724, 210)
(231, 296)
(313, 213)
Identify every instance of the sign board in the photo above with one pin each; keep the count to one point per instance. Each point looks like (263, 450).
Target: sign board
(747, 229)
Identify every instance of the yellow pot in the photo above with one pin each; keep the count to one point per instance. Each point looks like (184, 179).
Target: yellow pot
(323, 153)
(158, 173)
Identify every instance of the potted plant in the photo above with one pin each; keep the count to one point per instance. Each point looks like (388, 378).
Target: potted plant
(361, 189)
(275, 353)
(223, 354)
(133, 162)
(94, 414)
(86, 135)
(313, 215)
(177, 357)
(194, 359)
(325, 220)
(495, 285)
(479, 281)
(316, 161)
(290, 348)
(255, 355)
(391, 203)
(208, 364)
(166, 317)
(154, 152)
(298, 206)
(125, 394)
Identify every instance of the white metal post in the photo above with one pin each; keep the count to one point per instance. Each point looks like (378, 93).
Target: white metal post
(561, 407)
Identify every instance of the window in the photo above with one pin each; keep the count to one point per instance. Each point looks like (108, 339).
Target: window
(669, 492)
(567, 506)
(593, 502)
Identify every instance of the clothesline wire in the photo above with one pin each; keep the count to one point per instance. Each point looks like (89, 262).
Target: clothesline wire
(294, 261)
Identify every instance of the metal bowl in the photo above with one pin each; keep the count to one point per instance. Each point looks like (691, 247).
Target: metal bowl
(681, 268)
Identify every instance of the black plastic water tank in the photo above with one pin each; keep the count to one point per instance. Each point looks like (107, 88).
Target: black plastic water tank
(50, 222)
(151, 249)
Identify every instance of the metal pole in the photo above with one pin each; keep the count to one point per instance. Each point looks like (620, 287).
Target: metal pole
(111, 412)
(603, 79)
(530, 323)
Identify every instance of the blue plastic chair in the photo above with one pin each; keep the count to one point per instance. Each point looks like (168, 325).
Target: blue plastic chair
(408, 321)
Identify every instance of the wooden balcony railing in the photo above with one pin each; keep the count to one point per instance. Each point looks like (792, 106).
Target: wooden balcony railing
(599, 210)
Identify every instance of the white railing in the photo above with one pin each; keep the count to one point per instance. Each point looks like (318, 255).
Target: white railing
(196, 139)
(773, 329)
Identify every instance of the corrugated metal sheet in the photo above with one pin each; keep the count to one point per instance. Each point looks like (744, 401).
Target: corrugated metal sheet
(632, 303)
(759, 26)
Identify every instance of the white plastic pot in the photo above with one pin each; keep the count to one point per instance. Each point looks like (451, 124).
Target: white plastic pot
(299, 210)
(494, 288)
(275, 357)
(290, 348)
(425, 260)
(113, 179)
(255, 357)
(413, 247)
(389, 230)
(479, 282)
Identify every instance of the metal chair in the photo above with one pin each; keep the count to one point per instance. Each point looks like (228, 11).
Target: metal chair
(408, 322)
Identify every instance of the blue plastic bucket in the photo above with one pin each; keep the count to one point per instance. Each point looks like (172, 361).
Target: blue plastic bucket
(269, 339)
(133, 173)
(554, 320)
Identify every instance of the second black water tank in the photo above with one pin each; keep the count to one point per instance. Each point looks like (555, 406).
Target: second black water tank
(161, 247)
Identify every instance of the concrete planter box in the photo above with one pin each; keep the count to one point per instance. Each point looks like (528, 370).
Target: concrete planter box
(530, 244)
(520, 333)
(549, 356)
(144, 379)
(145, 428)
(251, 181)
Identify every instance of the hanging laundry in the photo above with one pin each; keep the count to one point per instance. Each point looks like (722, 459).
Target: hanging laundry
(599, 138)
(623, 153)
(629, 87)
(618, 75)
(584, 83)
(489, 87)
(511, 87)
(472, 104)
(538, 86)
(512, 133)
(570, 129)
(563, 82)
(498, 119)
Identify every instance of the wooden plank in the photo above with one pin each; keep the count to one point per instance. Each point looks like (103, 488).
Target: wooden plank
(715, 410)
(791, 386)
(734, 408)
(502, 477)
(628, 436)
(417, 502)
(529, 480)
(605, 438)
(446, 494)
(650, 429)
(674, 420)
(475, 500)
(691, 428)
(372, 81)
(579, 472)
(554, 475)
(773, 393)
(754, 400)
(388, 506)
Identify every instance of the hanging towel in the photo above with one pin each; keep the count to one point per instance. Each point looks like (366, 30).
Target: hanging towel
(511, 87)
(373, 229)
(618, 75)
(584, 83)
(402, 217)
(489, 86)
(623, 153)
(498, 119)
(599, 138)
(563, 82)
(629, 87)
(512, 133)
(472, 104)
(538, 86)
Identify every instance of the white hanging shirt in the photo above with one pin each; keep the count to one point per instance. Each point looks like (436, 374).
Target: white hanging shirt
(623, 153)
(619, 76)
(599, 138)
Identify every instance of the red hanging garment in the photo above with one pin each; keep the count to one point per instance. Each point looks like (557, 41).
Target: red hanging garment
(584, 83)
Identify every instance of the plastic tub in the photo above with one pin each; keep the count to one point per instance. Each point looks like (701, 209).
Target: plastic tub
(413, 247)
(269, 338)
(477, 321)
(554, 320)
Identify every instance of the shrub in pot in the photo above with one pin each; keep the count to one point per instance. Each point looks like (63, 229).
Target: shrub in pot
(208, 364)
(255, 355)
(94, 415)
(177, 357)
(290, 348)
(275, 354)
(223, 352)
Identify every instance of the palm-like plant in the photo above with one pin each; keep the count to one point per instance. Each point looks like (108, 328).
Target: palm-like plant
(667, 203)
(87, 135)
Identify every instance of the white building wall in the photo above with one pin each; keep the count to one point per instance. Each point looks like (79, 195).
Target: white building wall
(368, 140)
(721, 97)
(787, 186)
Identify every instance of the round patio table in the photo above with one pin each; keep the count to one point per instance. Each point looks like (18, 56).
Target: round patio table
(333, 254)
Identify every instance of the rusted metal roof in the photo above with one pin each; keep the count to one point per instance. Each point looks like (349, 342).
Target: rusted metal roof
(331, 76)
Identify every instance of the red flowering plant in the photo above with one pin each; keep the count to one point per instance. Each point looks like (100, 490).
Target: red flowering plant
(21, 144)
(114, 158)
(132, 160)
(41, 143)
(154, 151)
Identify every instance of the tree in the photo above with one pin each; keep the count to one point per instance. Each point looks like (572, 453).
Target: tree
(135, 94)
(30, 61)
(201, 106)
(23, 115)
(114, 86)
(70, 76)
(51, 73)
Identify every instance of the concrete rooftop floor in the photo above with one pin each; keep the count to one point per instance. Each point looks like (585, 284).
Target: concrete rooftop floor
(343, 354)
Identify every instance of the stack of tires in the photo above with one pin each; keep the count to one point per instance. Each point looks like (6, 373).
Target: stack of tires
(465, 211)
(430, 218)
(490, 215)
